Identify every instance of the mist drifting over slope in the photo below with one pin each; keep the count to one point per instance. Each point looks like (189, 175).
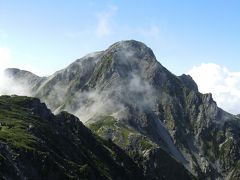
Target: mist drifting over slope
(114, 99)
(8, 85)
(102, 83)
(11, 86)
(127, 87)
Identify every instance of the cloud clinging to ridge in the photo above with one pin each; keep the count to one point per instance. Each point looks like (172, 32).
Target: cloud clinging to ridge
(221, 82)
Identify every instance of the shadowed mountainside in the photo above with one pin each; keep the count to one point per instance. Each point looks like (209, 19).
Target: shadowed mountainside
(126, 95)
(35, 144)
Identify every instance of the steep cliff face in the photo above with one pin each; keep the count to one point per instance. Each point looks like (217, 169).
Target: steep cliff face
(150, 108)
(35, 144)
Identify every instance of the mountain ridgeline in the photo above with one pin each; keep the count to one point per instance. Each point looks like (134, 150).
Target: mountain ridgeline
(124, 95)
(35, 144)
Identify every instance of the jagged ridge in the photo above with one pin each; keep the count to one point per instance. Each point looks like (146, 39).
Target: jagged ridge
(35, 144)
(128, 83)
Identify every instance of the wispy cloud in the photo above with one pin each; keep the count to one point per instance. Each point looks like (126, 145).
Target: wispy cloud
(221, 82)
(9, 86)
(104, 23)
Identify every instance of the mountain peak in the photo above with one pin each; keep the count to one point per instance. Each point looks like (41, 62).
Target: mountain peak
(130, 97)
(132, 43)
(132, 47)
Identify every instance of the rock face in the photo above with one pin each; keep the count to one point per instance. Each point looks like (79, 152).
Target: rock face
(126, 95)
(35, 144)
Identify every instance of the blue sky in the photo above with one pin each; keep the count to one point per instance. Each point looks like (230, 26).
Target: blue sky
(188, 36)
(48, 35)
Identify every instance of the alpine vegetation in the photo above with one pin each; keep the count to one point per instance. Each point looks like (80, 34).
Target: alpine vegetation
(160, 120)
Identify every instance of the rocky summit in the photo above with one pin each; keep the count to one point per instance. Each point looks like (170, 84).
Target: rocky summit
(125, 96)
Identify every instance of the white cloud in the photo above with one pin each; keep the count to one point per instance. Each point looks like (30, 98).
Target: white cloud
(221, 82)
(104, 24)
(7, 85)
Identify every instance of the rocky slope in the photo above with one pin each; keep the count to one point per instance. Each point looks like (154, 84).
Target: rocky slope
(35, 144)
(126, 95)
